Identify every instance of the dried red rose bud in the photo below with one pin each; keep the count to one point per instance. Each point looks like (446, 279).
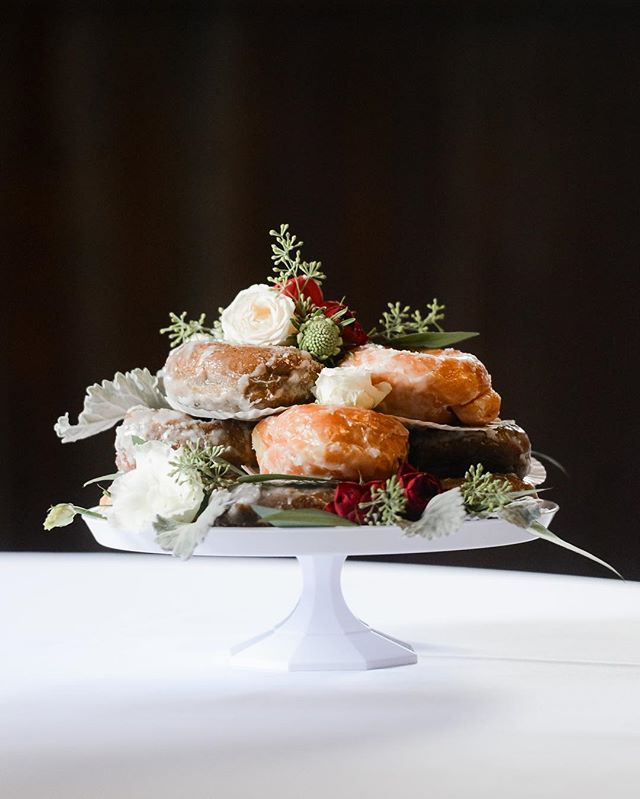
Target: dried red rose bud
(353, 334)
(419, 489)
(348, 498)
(302, 286)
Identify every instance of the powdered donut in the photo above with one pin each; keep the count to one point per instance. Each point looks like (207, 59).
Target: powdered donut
(330, 441)
(444, 386)
(213, 378)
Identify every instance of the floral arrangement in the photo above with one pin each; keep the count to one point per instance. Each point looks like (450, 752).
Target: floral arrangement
(293, 311)
(182, 492)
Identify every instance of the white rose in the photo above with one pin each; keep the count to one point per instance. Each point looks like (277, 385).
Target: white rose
(258, 316)
(147, 491)
(349, 385)
(60, 516)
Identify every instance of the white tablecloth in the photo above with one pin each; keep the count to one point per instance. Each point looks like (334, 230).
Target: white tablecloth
(112, 684)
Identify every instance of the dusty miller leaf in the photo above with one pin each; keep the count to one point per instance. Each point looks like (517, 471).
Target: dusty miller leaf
(443, 516)
(183, 539)
(106, 403)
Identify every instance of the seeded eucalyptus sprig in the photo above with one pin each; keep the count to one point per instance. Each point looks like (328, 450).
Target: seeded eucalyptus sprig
(401, 327)
(484, 493)
(287, 261)
(400, 320)
(201, 464)
(387, 505)
(181, 329)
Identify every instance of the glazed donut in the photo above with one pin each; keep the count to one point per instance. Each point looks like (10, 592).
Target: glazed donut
(330, 441)
(284, 497)
(220, 380)
(444, 386)
(174, 427)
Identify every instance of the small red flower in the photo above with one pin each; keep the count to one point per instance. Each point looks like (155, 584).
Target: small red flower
(302, 286)
(348, 497)
(353, 335)
(346, 501)
(419, 488)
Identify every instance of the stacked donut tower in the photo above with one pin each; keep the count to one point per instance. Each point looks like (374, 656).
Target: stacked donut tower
(287, 405)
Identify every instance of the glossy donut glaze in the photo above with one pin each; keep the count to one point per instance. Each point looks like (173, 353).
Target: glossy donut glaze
(445, 386)
(213, 376)
(331, 441)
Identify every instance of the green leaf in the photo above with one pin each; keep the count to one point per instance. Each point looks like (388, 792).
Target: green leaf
(86, 512)
(109, 477)
(289, 478)
(544, 457)
(541, 531)
(432, 340)
(301, 517)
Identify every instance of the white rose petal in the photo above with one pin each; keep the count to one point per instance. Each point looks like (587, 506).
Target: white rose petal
(148, 491)
(349, 385)
(259, 316)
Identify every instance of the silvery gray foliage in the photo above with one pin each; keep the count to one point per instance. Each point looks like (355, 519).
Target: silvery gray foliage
(183, 539)
(443, 516)
(106, 403)
(523, 513)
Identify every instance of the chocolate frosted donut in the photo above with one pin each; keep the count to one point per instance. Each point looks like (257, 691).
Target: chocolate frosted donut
(500, 448)
(444, 386)
(176, 428)
(330, 441)
(219, 380)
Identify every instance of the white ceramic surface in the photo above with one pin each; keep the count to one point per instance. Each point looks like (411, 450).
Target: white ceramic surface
(321, 633)
(273, 542)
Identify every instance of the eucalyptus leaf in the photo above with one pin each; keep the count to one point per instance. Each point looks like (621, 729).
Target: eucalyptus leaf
(431, 340)
(541, 531)
(301, 517)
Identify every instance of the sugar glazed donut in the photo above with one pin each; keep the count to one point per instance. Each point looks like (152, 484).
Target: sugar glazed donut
(216, 379)
(176, 428)
(443, 386)
(330, 441)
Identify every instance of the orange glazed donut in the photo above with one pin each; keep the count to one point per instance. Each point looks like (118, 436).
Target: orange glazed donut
(219, 380)
(444, 386)
(330, 441)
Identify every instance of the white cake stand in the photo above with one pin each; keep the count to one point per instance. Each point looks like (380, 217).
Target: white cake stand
(321, 633)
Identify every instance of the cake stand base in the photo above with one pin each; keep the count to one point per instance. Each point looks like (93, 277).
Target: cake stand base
(321, 633)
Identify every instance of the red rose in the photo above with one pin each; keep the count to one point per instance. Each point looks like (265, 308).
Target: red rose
(348, 497)
(353, 335)
(346, 501)
(302, 286)
(419, 488)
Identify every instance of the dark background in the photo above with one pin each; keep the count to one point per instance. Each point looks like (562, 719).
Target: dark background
(486, 153)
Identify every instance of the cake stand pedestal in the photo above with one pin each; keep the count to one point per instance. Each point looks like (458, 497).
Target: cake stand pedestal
(321, 633)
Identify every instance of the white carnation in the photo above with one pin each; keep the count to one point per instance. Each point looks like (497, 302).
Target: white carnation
(259, 316)
(148, 491)
(349, 385)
